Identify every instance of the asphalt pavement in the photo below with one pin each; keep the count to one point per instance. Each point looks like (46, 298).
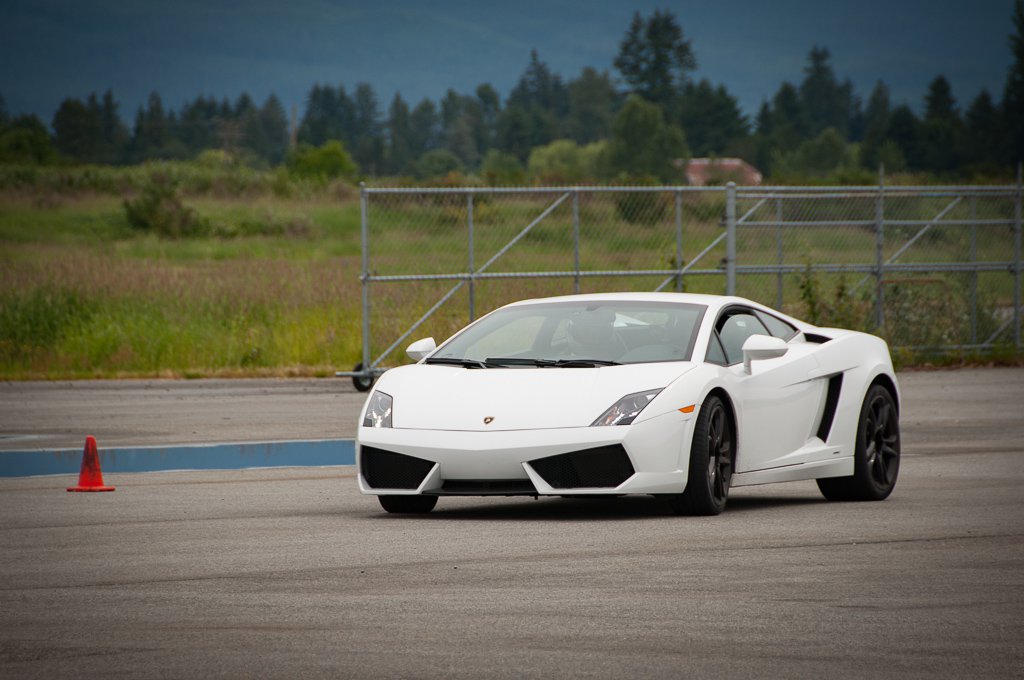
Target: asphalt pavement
(290, 573)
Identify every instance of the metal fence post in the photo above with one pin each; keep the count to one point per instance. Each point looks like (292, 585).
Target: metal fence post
(778, 253)
(472, 267)
(679, 239)
(1016, 255)
(880, 251)
(730, 238)
(974, 271)
(576, 241)
(365, 275)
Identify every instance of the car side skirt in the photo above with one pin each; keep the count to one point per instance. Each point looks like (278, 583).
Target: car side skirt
(839, 467)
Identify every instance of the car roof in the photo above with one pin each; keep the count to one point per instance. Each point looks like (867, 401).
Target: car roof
(715, 301)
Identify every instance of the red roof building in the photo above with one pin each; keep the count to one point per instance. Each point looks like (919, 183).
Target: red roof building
(703, 172)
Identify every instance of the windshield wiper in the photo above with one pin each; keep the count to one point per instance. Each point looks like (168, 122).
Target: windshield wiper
(452, 361)
(549, 363)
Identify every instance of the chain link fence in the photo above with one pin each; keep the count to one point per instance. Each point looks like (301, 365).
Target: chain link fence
(924, 267)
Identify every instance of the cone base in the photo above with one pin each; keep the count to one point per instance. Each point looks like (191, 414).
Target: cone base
(91, 488)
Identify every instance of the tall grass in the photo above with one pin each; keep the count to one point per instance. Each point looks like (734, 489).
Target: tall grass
(96, 315)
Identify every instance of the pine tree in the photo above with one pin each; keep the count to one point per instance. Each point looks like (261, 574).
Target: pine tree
(654, 58)
(1013, 93)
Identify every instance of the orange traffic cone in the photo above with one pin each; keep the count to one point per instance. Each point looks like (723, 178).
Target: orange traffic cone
(91, 477)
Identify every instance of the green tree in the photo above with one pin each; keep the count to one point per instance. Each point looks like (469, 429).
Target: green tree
(330, 114)
(152, 137)
(982, 134)
(876, 122)
(711, 118)
(198, 124)
(904, 131)
(825, 103)
(592, 105)
(536, 106)
(425, 128)
(515, 132)
(644, 145)
(540, 87)
(462, 118)
(367, 139)
(26, 140)
(490, 109)
(5, 117)
(817, 157)
(654, 58)
(789, 122)
(399, 149)
(273, 126)
(1013, 92)
(114, 134)
(939, 136)
(76, 130)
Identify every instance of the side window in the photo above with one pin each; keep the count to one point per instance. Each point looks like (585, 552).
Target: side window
(715, 354)
(776, 326)
(733, 330)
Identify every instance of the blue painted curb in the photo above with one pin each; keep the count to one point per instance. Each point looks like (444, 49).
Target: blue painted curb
(194, 457)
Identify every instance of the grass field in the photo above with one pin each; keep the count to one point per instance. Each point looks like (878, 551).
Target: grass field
(272, 287)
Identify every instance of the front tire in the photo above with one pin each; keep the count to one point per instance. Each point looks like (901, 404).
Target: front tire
(712, 456)
(408, 505)
(876, 459)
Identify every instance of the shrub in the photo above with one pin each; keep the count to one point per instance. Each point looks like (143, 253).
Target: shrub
(502, 169)
(437, 163)
(329, 161)
(159, 209)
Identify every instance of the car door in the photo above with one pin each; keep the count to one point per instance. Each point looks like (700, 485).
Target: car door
(778, 402)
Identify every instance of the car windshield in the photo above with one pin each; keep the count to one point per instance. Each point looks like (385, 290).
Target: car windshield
(576, 335)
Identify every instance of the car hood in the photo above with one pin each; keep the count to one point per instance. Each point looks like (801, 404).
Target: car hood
(433, 397)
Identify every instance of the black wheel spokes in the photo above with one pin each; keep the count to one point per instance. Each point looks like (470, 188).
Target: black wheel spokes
(719, 455)
(882, 442)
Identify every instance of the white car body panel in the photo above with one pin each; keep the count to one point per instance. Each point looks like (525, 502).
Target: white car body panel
(440, 412)
(453, 398)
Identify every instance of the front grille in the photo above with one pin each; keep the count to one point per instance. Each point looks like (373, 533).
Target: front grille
(487, 487)
(389, 470)
(604, 466)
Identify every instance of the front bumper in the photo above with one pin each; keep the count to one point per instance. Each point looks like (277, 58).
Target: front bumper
(506, 462)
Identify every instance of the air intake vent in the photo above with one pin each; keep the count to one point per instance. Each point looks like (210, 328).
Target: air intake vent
(390, 470)
(835, 385)
(487, 487)
(605, 466)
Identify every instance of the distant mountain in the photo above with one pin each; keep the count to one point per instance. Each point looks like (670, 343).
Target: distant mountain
(51, 49)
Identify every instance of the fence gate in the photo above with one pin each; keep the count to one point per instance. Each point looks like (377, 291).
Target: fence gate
(925, 267)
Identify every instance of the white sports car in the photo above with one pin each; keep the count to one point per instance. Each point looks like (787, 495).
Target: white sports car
(676, 395)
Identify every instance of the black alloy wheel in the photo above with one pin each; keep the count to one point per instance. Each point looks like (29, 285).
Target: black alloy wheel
(877, 456)
(712, 457)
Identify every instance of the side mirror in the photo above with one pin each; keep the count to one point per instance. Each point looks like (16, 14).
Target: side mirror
(421, 348)
(762, 347)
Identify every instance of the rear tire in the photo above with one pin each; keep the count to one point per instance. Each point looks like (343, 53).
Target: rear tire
(408, 505)
(711, 462)
(876, 459)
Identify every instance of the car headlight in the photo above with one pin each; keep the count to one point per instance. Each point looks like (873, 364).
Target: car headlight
(378, 411)
(626, 409)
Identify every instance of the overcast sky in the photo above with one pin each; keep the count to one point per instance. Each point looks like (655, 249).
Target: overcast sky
(52, 49)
